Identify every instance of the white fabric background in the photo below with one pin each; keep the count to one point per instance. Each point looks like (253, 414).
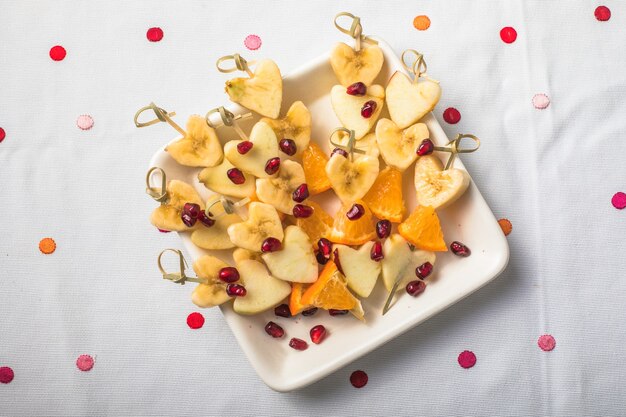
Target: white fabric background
(551, 172)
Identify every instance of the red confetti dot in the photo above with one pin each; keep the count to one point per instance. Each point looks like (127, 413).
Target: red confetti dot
(451, 115)
(163, 230)
(6, 374)
(195, 320)
(619, 200)
(154, 34)
(252, 42)
(508, 34)
(358, 379)
(546, 342)
(57, 53)
(84, 363)
(467, 359)
(3, 134)
(602, 13)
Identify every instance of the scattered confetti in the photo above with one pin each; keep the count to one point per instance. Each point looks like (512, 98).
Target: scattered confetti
(163, 230)
(84, 122)
(252, 42)
(84, 363)
(506, 226)
(467, 359)
(195, 320)
(619, 200)
(3, 134)
(57, 53)
(421, 22)
(602, 13)
(6, 374)
(451, 115)
(508, 34)
(47, 245)
(358, 379)
(541, 101)
(154, 34)
(546, 342)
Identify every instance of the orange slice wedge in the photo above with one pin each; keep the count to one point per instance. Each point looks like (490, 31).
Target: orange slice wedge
(331, 291)
(314, 164)
(295, 299)
(423, 230)
(385, 197)
(352, 232)
(317, 225)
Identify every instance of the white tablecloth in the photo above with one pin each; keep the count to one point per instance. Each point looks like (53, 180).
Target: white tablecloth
(551, 172)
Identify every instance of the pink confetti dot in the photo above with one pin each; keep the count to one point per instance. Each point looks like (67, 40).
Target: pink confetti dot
(84, 122)
(195, 320)
(451, 115)
(154, 34)
(619, 200)
(541, 101)
(508, 34)
(3, 134)
(467, 359)
(6, 374)
(57, 53)
(84, 363)
(546, 342)
(358, 379)
(252, 42)
(602, 13)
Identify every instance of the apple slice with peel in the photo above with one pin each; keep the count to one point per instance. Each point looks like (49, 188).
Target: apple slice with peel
(263, 291)
(401, 262)
(262, 93)
(352, 66)
(407, 101)
(264, 148)
(398, 147)
(216, 179)
(360, 270)
(296, 125)
(296, 261)
(348, 108)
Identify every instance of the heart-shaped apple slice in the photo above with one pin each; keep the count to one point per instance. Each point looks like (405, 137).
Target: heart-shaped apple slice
(352, 66)
(167, 216)
(407, 101)
(296, 125)
(360, 270)
(254, 161)
(278, 190)
(437, 187)
(400, 262)
(399, 147)
(199, 147)
(350, 109)
(262, 93)
(263, 291)
(296, 261)
(212, 292)
(228, 180)
(351, 180)
(263, 222)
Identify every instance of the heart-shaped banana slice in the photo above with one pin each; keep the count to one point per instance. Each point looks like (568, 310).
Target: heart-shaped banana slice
(222, 180)
(398, 147)
(360, 270)
(167, 216)
(199, 147)
(241, 254)
(264, 148)
(278, 190)
(296, 261)
(296, 125)
(349, 108)
(215, 237)
(263, 291)
(367, 144)
(352, 66)
(435, 186)
(212, 292)
(407, 101)
(263, 222)
(401, 262)
(351, 180)
(262, 93)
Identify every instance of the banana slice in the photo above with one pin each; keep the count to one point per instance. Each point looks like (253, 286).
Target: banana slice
(216, 179)
(437, 187)
(215, 237)
(241, 254)
(399, 147)
(213, 291)
(348, 108)
(407, 101)
(199, 147)
(366, 144)
(264, 148)
(263, 222)
(351, 180)
(263, 93)
(278, 191)
(167, 216)
(296, 261)
(296, 125)
(352, 66)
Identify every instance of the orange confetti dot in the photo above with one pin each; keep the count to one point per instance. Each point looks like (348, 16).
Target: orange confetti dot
(506, 226)
(47, 245)
(421, 22)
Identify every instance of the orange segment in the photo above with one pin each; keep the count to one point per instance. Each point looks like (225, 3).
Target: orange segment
(423, 230)
(385, 197)
(295, 299)
(352, 232)
(317, 225)
(330, 291)
(314, 164)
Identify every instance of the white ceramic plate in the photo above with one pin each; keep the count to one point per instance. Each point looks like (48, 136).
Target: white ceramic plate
(469, 220)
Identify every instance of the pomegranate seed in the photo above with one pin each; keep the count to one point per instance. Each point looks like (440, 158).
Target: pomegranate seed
(368, 109)
(271, 244)
(298, 344)
(301, 193)
(325, 247)
(356, 89)
(376, 254)
(244, 147)
(340, 151)
(236, 290)
(460, 249)
(383, 229)
(229, 274)
(236, 176)
(282, 310)
(288, 146)
(205, 220)
(334, 312)
(317, 333)
(301, 211)
(415, 288)
(356, 212)
(188, 220)
(192, 209)
(274, 330)
(424, 270)
(309, 312)
(426, 147)
(337, 262)
(272, 166)
(321, 259)
(358, 379)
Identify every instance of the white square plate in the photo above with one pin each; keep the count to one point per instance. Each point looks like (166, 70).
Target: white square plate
(469, 220)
